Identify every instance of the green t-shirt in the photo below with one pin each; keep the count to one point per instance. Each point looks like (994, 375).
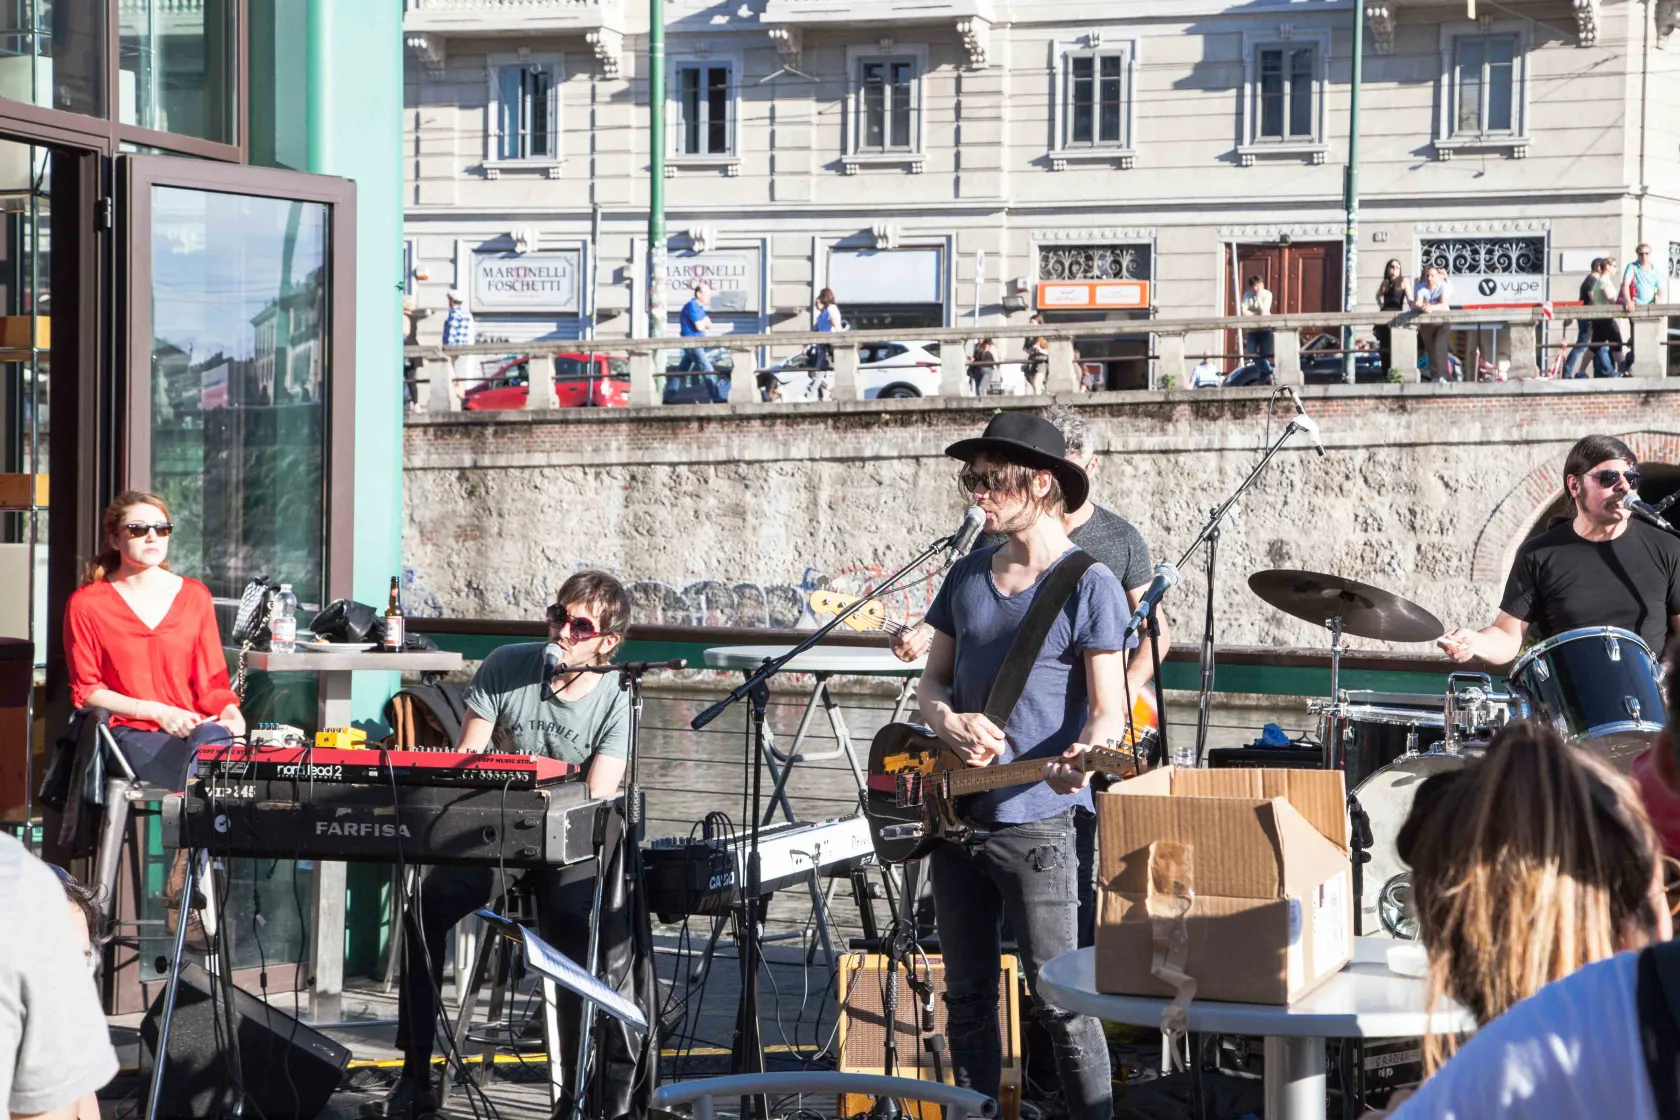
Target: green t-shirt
(507, 691)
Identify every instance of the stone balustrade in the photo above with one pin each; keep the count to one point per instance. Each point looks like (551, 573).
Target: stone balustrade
(1533, 342)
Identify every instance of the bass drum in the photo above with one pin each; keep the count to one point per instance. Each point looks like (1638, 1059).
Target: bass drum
(1598, 685)
(1385, 900)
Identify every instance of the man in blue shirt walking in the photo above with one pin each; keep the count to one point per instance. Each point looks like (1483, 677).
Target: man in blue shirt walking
(696, 323)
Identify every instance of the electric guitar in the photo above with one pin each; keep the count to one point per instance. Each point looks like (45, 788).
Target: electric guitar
(1146, 712)
(916, 778)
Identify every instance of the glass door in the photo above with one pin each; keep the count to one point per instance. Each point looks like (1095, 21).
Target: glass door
(238, 311)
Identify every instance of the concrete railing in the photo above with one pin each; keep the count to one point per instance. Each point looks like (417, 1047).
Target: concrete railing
(1534, 342)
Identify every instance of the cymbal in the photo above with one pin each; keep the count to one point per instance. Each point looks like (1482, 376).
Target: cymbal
(1365, 611)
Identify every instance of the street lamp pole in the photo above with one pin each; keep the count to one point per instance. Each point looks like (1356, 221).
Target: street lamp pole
(1350, 252)
(656, 170)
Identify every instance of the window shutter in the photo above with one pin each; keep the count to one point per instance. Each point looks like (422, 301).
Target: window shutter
(507, 122)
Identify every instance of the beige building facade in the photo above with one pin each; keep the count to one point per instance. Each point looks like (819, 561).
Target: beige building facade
(951, 162)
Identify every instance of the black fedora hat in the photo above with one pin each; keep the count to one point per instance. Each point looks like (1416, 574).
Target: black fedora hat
(1021, 437)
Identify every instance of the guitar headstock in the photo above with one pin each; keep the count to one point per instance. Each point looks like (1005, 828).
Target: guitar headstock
(871, 616)
(1124, 758)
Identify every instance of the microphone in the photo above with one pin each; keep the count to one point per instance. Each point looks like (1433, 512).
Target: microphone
(1304, 422)
(1166, 578)
(1668, 501)
(974, 519)
(1645, 511)
(552, 658)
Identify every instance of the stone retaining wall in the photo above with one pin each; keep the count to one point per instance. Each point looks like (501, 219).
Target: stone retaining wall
(727, 515)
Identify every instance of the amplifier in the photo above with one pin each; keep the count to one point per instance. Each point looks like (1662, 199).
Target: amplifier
(699, 875)
(1259, 758)
(861, 1042)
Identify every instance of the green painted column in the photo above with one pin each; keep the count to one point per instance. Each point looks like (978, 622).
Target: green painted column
(355, 98)
(355, 79)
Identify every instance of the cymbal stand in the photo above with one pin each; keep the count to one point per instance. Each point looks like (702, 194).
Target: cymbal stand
(1209, 535)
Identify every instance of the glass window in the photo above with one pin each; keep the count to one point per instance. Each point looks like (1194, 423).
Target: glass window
(1286, 94)
(527, 113)
(1094, 89)
(52, 54)
(886, 125)
(703, 110)
(238, 385)
(1486, 71)
(178, 72)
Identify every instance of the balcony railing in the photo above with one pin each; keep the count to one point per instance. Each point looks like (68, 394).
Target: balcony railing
(1534, 344)
(485, 17)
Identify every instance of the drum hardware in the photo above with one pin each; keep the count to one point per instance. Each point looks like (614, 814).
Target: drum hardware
(1600, 686)
(1359, 844)
(1394, 907)
(1386, 797)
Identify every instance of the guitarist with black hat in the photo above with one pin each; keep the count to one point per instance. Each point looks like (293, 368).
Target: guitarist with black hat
(1069, 693)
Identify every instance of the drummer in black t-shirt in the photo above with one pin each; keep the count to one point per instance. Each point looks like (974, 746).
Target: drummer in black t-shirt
(1600, 569)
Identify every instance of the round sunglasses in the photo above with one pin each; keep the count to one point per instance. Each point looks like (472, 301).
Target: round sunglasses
(582, 628)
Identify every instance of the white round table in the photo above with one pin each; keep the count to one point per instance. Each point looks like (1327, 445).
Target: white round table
(1364, 1000)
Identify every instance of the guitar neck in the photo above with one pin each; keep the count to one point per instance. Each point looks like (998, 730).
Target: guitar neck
(979, 779)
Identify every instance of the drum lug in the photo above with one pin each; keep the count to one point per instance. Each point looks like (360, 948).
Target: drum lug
(1632, 703)
(1542, 671)
(1613, 647)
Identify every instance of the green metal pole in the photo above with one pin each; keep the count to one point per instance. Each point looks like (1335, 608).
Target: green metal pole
(1350, 253)
(656, 169)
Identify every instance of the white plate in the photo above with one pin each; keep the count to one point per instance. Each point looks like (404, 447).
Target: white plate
(337, 647)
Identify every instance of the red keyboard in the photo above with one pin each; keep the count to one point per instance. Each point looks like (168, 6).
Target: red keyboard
(381, 767)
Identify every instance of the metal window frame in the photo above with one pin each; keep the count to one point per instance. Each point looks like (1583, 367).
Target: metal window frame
(856, 59)
(1482, 129)
(1315, 39)
(1126, 53)
(495, 64)
(732, 65)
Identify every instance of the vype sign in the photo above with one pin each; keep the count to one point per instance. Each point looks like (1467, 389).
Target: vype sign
(1482, 289)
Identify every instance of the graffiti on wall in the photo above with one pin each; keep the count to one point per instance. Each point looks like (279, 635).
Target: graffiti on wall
(707, 602)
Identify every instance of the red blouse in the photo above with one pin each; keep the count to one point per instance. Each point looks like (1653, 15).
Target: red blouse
(180, 663)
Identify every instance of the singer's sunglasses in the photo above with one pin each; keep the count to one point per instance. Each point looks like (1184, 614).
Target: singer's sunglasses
(582, 628)
(995, 481)
(1607, 478)
(136, 530)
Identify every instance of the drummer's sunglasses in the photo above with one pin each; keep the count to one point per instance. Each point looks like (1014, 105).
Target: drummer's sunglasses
(582, 628)
(1607, 478)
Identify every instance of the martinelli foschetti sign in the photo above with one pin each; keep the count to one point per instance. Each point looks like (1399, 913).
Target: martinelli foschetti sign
(540, 282)
(732, 273)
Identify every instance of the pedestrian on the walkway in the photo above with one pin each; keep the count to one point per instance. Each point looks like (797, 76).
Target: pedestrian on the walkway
(1641, 286)
(410, 366)
(1606, 333)
(1257, 301)
(1037, 353)
(1205, 375)
(1584, 327)
(1391, 297)
(458, 330)
(1433, 297)
(981, 365)
(696, 322)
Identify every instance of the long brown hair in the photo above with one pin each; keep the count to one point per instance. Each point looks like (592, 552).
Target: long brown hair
(107, 560)
(1527, 864)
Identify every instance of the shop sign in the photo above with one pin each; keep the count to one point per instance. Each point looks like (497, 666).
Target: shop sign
(733, 275)
(536, 282)
(1094, 295)
(878, 276)
(1480, 289)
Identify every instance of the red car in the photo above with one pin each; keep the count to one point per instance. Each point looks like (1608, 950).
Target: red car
(577, 386)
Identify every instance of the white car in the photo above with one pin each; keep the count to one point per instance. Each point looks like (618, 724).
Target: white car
(885, 370)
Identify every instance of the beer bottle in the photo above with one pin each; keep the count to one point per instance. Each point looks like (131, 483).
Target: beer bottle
(394, 621)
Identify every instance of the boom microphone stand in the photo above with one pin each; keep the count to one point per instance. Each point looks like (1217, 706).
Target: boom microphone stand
(1210, 535)
(749, 1047)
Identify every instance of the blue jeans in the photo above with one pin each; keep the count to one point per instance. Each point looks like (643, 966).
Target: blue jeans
(160, 759)
(1258, 343)
(1028, 873)
(1583, 335)
(698, 361)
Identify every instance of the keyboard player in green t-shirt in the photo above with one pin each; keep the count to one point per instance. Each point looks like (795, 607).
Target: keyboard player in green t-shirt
(522, 700)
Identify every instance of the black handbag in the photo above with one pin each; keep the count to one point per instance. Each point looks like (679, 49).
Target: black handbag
(346, 620)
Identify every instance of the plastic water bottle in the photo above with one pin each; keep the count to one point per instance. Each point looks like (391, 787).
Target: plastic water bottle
(282, 625)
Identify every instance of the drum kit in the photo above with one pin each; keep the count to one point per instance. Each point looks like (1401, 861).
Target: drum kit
(1599, 686)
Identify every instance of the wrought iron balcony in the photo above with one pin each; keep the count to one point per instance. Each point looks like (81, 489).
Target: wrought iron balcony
(428, 25)
(971, 19)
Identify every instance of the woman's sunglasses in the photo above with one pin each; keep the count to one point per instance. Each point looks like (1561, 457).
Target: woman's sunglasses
(136, 530)
(582, 628)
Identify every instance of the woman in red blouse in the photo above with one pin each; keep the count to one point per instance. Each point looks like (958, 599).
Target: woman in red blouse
(143, 645)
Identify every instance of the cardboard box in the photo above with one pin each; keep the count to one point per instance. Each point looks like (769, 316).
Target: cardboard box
(1265, 853)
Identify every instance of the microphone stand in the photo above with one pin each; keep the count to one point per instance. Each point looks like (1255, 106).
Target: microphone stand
(1210, 535)
(749, 1048)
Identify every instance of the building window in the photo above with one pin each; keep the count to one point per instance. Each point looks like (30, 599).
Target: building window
(1095, 92)
(1094, 262)
(886, 103)
(1484, 84)
(1674, 260)
(528, 113)
(1286, 94)
(705, 110)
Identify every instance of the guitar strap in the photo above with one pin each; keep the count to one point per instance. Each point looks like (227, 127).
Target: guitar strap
(1053, 594)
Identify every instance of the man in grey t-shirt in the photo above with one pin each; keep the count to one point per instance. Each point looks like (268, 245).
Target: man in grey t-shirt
(515, 706)
(54, 1047)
